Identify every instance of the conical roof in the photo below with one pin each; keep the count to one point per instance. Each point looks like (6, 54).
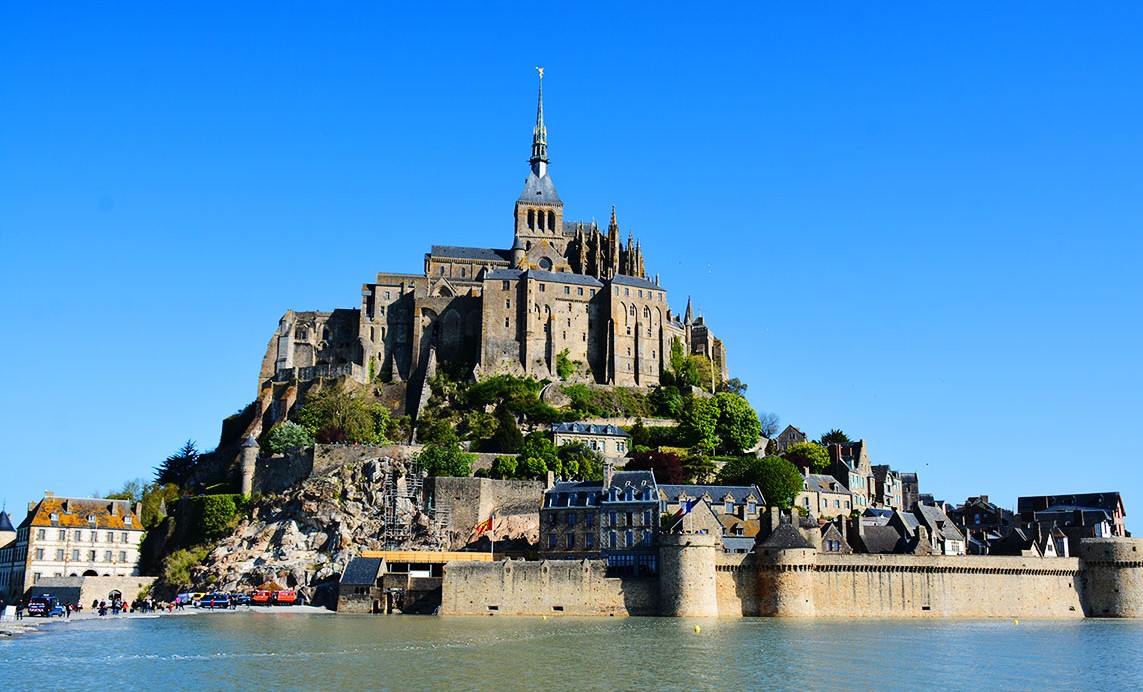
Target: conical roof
(6, 522)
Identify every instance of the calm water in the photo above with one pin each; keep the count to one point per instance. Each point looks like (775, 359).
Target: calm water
(299, 651)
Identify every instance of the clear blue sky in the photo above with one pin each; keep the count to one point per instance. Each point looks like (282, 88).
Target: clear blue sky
(917, 223)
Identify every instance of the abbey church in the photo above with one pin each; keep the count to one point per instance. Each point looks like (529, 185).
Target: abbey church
(564, 291)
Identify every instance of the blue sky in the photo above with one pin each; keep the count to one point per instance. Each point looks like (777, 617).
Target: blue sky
(917, 223)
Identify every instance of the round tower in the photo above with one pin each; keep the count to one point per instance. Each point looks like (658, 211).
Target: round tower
(1112, 570)
(686, 575)
(249, 460)
(786, 563)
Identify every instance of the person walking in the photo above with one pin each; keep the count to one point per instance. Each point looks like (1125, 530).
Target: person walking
(19, 610)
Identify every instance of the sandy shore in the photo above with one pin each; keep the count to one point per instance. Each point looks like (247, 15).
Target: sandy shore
(30, 625)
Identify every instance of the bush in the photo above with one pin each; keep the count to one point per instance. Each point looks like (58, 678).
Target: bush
(177, 566)
(288, 435)
(216, 515)
(444, 457)
(565, 368)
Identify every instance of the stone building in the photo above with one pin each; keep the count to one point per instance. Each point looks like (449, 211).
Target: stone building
(608, 440)
(72, 537)
(849, 463)
(736, 510)
(616, 519)
(565, 292)
(886, 487)
(789, 436)
(825, 496)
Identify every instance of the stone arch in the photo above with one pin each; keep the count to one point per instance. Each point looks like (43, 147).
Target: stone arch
(450, 332)
(91, 573)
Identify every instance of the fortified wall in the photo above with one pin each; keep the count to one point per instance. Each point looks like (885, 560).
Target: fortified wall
(697, 579)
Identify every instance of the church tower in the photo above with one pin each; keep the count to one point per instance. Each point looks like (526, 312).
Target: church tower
(539, 212)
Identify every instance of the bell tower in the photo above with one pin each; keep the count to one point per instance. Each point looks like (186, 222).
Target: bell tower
(539, 215)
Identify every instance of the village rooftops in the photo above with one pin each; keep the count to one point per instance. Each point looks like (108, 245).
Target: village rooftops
(589, 429)
(82, 513)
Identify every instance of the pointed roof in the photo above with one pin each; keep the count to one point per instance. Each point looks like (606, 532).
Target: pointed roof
(689, 315)
(6, 522)
(540, 133)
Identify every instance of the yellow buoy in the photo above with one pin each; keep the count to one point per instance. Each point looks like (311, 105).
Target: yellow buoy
(697, 629)
(545, 617)
(1015, 622)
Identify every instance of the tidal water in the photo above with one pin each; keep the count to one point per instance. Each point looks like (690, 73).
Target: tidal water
(253, 650)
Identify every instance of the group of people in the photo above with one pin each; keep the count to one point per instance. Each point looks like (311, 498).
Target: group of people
(118, 605)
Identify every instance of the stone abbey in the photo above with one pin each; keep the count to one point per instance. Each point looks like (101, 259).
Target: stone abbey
(565, 291)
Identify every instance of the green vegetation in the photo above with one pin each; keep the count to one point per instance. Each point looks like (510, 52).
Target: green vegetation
(565, 368)
(698, 424)
(834, 436)
(779, 480)
(444, 457)
(333, 413)
(738, 429)
(176, 569)
(286, 436)
(153, 498)
(177, 467)
(808, 455)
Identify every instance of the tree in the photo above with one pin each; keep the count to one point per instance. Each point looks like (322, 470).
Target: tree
(698, 423)
(666, 466)
(177, 467)
(333, 413)
(734, 386)
(577, 460)
(565, 368)
(738, 427)
(537, 455)
(667, 400)
(132, 492)
(288, 435)
(808, 455)
(768, 423)
(503, 467)
(699, 469)
(445, 458)
(779, 480)
(834, 436)
(702, 371)
(507, 439)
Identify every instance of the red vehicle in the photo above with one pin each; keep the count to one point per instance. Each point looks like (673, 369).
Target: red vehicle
(260, 598)
(285, 597)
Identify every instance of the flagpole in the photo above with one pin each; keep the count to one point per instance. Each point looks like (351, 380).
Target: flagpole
(492, 535)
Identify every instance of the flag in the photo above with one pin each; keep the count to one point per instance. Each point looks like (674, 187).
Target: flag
(684, 509)
(484, 526)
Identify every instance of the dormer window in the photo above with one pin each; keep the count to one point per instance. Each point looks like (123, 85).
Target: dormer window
(127, 520)
(91, 519)
(55, 518)
(628, 494)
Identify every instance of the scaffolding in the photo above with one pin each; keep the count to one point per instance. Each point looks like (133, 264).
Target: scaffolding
(401, 496)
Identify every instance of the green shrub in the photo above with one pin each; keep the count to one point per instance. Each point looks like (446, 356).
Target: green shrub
(288, 435)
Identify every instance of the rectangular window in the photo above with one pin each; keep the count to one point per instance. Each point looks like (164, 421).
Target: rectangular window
(614, 519)
(589, 540)
(60, 554)
(543, 289)
(579, 291)
(613, 537)
(646, 538)
(110, 537)
(552, 519)
(640, 293)
(630, 539)
(123, 556)
(41, 534)
(646, 517)
(63, 534)
(729, 509)
(589, 518)
(571, 518)
(504, 286)
(571, 541)
(75, 554)
(107, 556)
(123, 537)
(567, 290)
(506, 323)
(508, 304)
(552, 538)
(39, 553)
(592, 291)
(91, 556)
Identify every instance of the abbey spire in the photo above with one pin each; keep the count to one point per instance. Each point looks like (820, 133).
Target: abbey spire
(539, 158)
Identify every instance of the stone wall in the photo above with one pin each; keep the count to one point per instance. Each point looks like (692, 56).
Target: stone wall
(945, 586)
(471, 501)
(551, 587)
(279, 473)
(85, 590)
(736, 584)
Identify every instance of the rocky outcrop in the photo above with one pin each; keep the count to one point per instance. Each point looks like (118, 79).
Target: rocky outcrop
(304, 536)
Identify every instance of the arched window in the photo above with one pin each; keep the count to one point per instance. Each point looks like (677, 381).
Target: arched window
(462, 273)
(646, 310)
(531, 219)
(551, 221)
(632, 310)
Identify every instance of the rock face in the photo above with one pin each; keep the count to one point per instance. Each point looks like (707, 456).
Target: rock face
(305, 536)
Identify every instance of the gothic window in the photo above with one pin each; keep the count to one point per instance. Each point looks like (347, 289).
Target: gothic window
(551, 221)
(633, 310)
(646, 312)
(531, 219)
(442, 271)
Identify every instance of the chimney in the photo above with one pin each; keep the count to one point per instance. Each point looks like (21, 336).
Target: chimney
(113, 508)
(843, 528)
(608, 472)
(139, 510)
(984, 498)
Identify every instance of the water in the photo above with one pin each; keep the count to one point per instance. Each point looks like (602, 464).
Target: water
(253, 650)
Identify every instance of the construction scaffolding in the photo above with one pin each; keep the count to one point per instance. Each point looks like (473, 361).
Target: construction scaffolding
(402, 492)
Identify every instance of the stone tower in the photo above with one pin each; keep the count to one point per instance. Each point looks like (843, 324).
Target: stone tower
(539, 211)
(249, 461)
(1112, 577)
(786, 563)
(686, 574)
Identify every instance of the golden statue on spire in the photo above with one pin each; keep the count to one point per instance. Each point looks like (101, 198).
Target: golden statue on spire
(541, 71)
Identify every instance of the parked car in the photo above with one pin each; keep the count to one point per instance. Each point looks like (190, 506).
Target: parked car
(196, 598)
(44, 606)
(260, 598)
(285, 597)
(214, 600)
(239, 599)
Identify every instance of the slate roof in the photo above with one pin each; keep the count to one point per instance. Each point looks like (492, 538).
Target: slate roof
(590, 429)
(738, 544)
(6, 522)
(717, 493)
(636, 479)
(880, 539)
(500, 274)
(785, 537)
(938, 523)
(565, 278)
(473, 253)
(361, 571)
(817, 482)
(624, 280)
(537, 189)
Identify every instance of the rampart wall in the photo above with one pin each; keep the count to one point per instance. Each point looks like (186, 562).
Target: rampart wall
(945, 586)
(85, 590)
(550, 587)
